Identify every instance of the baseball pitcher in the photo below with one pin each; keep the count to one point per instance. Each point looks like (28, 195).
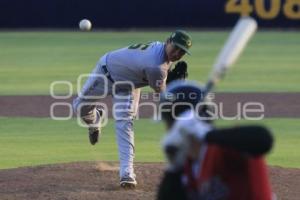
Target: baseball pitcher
(121, 73)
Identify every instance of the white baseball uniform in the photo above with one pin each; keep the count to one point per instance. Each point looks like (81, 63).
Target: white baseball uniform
(141, 65)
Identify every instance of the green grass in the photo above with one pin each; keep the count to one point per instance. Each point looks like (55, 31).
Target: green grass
(31, 61)
(32, 141)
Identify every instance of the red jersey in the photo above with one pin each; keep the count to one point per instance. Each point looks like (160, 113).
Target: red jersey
(225, 174)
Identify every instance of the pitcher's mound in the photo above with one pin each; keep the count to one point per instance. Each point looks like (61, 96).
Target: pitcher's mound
(99, 180)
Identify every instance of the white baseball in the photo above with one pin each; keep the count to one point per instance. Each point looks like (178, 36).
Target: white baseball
(85, 25)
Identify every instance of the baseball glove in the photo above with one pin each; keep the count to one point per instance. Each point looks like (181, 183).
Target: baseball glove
(178, 73)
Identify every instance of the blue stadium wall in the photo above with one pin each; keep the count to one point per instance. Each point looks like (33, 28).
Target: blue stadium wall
(136, 13)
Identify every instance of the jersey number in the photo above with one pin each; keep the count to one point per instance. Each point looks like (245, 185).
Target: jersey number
(140, 46)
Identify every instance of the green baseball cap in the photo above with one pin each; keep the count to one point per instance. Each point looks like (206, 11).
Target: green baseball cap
(182, 40)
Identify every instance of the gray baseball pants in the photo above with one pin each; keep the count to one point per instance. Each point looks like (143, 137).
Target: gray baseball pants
(125, 105)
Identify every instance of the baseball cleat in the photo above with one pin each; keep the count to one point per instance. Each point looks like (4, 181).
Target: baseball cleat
(93, 135)
(128, 183)
(94, 132)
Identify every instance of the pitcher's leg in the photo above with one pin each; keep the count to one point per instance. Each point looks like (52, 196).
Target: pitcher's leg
(125, 139)
(124, 112)
(85, 105)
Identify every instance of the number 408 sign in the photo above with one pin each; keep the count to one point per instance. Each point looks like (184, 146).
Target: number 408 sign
(290, 8)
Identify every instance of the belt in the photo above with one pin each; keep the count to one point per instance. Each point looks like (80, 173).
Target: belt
(107, 74)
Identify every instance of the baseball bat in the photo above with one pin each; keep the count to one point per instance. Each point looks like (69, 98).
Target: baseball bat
(235, 44)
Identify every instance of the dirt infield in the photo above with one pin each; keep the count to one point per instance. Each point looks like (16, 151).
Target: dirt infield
(276, 105)
(91, 180)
